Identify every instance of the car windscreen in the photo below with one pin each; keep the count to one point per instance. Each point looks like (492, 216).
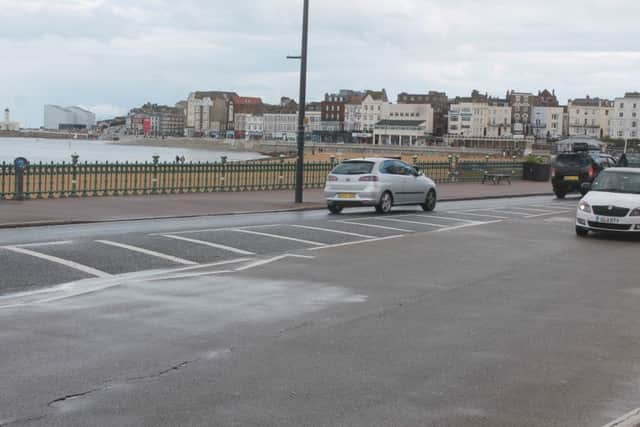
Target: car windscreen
(353, 168)
(617, 182)
(572, 161)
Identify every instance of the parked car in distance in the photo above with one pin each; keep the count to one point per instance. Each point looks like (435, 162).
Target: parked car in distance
(570, 170)
(612, 203)
(379, 182)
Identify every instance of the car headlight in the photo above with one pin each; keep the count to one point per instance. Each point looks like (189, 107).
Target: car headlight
(635, 212)
(584, 207)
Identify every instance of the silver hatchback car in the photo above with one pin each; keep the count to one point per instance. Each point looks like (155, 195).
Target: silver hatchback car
(379, 182)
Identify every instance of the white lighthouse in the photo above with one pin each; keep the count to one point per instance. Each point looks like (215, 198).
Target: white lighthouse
(7, 124)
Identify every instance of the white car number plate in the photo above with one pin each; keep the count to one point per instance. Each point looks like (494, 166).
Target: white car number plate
(607, 220)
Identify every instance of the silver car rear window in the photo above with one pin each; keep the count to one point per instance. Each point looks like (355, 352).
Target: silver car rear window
(353, 168)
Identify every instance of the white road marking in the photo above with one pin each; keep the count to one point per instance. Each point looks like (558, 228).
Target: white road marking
(382, 227)
(275, 236)
(61, 261)
(411, 222)
(209, 230)
(449, 218)
(530, 210)
(328, 230)
(190, 275)
(546, 214)
(360, 242)
(147, 252)
(500, 210)
(209, 244)
(466, 226)
(271, 260)
(481, 215)
(42, 244)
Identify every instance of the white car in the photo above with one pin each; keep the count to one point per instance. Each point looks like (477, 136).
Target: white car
(612, 203)
(379, 182)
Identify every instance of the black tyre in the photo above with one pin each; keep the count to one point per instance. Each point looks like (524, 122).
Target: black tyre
(430, 202)
(581, 231)
(560, 194)
(335, 209)
(386, 203)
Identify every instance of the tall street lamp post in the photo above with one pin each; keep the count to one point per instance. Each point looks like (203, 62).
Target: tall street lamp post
(302, 103)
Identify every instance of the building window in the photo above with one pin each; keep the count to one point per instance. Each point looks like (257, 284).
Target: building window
(622, 105)
(621, 114)
(634, 124)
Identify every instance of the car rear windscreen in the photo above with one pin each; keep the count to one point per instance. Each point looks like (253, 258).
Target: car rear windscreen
(353, 168)
(572, 161)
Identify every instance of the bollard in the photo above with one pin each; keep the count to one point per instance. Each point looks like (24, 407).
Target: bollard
(154, 179)
(74, 174)
(20, 164)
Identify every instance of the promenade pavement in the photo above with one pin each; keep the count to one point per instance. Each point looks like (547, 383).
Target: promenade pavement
(99, 209)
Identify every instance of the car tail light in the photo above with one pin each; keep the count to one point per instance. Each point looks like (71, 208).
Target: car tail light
(369, 178)
(592, 172)
(553, 172)
(332, 178)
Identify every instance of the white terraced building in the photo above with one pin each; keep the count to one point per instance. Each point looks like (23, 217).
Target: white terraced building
(625, 119)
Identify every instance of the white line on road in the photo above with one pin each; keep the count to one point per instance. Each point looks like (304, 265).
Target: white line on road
(360, 242)
(209, 244)
(147, 252)
(381, 227)
(481, 215)
(55, 259)
(42, 244)
(190, 275)
(328, 230)
(449, 218)
(466, 226)
(275, 236)
(411, 222)
(530, 210)
(546, 214)
(271, 260)
(210, 230)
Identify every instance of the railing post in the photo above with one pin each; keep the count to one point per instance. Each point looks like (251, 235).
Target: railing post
(74, 174)
(451, 174)
(415, 160)
(223, 177)
(333, 161)
(513, 167)
(281, 171)
(154, 179)
(486, 165)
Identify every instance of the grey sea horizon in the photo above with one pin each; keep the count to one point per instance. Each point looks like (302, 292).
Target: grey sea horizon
(60, 150)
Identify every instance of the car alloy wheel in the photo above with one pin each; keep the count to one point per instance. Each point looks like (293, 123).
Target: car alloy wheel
(386, 203)
(430, 202)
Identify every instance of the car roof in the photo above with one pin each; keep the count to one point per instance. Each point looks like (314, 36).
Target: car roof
(625, 170)
(371, 159)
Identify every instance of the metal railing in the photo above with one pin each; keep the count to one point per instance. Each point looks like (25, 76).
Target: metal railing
(83, 179)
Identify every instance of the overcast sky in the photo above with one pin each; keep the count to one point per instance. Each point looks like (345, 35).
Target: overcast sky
(111, 55)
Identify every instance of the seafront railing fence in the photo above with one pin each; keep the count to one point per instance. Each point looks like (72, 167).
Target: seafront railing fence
(84, 179)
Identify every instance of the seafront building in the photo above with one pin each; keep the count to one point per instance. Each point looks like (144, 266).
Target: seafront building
(6, 124)
(590, 117)
(68, 118)
(626, 117)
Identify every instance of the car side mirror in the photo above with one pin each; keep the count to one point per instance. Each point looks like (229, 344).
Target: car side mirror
(586, 187)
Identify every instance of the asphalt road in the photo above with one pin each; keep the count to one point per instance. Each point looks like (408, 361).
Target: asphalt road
(481, 313)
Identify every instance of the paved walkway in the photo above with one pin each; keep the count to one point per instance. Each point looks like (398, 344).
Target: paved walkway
(68, 211)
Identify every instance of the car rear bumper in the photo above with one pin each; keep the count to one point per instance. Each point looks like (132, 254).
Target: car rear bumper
(599, 223)
(362, 198)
